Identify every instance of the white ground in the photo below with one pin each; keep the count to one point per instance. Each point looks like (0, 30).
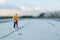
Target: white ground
(37, 29)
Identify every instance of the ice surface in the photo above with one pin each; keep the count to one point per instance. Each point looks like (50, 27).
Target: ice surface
(38, 29)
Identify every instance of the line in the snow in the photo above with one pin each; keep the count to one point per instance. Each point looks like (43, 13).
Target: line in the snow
(13, 32)
(51, 24)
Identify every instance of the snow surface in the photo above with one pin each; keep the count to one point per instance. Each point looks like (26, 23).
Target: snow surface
(37, 29)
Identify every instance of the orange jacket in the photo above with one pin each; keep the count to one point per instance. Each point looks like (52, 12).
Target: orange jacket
(15, 17)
